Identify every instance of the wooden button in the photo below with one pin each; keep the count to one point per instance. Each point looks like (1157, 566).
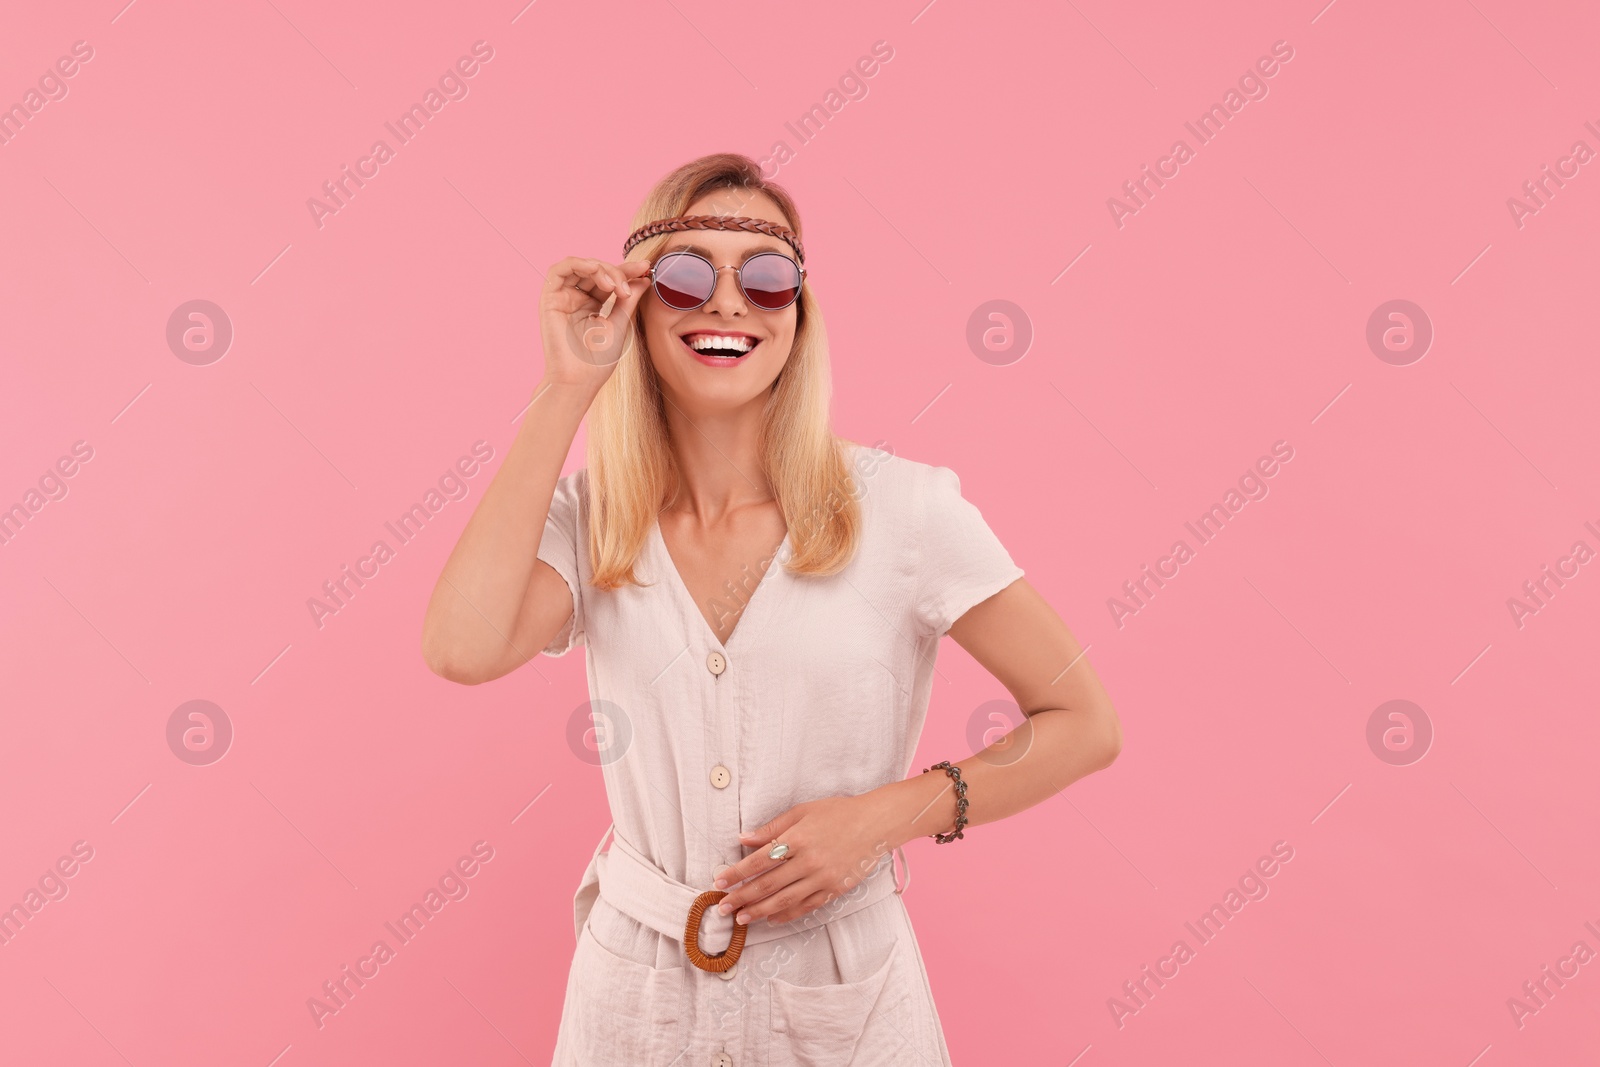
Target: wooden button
(721, 776)
(716, 663)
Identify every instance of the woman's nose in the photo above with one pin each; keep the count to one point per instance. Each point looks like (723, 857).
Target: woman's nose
(727, 297)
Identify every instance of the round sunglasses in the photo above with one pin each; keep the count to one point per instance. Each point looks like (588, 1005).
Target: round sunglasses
(686, 280)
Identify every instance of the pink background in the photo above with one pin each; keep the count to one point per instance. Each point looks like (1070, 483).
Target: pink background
(1228, 313)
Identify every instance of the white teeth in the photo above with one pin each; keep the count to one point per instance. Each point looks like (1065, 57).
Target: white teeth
(711, 342)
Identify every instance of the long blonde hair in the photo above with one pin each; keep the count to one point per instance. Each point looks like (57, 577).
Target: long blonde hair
(633, 470)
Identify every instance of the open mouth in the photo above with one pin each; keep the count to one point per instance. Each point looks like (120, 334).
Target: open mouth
(725, 348)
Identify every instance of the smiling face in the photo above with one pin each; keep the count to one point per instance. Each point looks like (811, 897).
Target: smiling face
(726, 352)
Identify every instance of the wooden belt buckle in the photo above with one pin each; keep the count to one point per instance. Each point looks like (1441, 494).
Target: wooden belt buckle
(723, 960)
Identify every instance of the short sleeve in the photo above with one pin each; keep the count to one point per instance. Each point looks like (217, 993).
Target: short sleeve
(960, 561)
(559, 547)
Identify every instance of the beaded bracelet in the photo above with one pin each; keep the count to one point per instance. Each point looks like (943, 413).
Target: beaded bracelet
(961, 801)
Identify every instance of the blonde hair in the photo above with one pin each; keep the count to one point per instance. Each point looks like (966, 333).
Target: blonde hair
(633, 470)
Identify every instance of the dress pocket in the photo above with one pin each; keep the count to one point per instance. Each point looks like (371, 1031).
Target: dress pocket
(622, 1012)
(848, 1023)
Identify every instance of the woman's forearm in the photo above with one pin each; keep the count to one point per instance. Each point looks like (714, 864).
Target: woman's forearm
(1050, 750)
(477, 600)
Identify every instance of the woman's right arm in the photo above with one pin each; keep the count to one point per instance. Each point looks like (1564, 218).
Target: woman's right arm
(496, 605)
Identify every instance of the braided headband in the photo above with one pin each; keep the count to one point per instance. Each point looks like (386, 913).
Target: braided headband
(715, 222)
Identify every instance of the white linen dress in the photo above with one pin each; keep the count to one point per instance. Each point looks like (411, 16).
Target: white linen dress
(821, 690)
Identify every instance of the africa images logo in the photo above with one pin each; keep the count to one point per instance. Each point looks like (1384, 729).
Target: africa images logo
(1252, 85)
(1252, 485)
(452, 85)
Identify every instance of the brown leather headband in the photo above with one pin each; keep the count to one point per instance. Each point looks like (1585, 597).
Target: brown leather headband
(715, 222)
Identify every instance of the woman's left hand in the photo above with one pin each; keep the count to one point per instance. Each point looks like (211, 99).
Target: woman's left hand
(834, 843)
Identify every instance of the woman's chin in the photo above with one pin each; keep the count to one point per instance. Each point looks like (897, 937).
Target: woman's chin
(710, 390)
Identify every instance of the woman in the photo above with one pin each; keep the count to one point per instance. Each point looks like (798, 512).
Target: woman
(761, 604)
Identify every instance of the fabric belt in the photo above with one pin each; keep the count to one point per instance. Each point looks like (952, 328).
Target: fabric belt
(639, 889)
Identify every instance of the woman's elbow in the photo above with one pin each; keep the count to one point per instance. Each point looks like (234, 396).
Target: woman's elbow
(1111, 747)
(444, 662)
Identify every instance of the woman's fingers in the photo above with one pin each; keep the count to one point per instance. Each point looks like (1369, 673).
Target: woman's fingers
(806, 907)
(586, 311)
(624, 283)
(772, 828)
(780, 901)
(612, 278)
(764, 873)
(753, 864)
(633, 281)
(774, 876)
(597, 278)
(568, 272)
(586, 308)
(624, 297)
(591, 277)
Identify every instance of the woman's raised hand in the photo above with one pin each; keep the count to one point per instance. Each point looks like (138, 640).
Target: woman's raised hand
(581, 347)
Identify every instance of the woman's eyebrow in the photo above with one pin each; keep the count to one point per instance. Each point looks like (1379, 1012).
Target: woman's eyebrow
(696, 248)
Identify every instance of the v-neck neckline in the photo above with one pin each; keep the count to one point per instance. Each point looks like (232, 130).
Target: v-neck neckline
(682, 588)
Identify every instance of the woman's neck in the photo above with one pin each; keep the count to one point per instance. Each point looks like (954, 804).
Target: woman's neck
(719, 459)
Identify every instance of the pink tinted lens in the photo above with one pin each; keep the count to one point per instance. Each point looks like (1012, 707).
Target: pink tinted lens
(683, 280)
(771, 280)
